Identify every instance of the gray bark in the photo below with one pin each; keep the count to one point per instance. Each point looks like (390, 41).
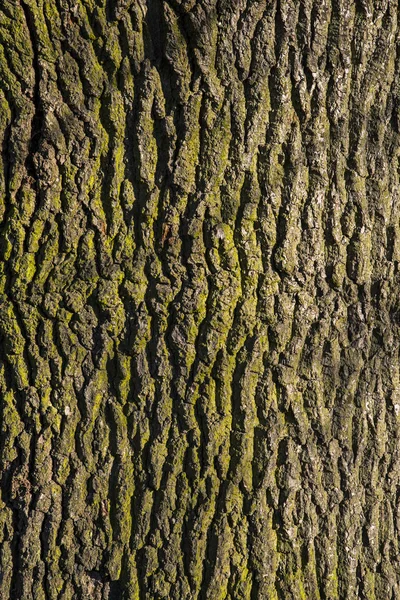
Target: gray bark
(199, 299)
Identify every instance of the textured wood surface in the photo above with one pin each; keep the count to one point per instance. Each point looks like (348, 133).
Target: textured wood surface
(199, 300)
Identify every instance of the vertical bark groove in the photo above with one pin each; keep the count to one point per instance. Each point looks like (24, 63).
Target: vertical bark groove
(199, 317)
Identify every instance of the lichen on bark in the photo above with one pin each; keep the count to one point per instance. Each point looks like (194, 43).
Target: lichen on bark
(199, 317)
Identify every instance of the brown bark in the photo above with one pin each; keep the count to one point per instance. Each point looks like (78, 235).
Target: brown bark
(199, 311)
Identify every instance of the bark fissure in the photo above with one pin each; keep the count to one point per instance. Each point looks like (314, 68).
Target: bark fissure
(199, 322)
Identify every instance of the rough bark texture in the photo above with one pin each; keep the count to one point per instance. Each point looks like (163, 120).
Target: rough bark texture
(199, 299)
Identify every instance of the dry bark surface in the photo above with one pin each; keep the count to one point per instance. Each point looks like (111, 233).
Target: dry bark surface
(199, 299)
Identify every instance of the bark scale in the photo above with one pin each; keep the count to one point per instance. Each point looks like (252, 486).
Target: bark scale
(199, 308)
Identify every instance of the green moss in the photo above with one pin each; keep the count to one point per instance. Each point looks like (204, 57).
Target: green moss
(148, 152)
(12, 424)
(332, 585)
(217, 138)
(188, 157)
(369, 584)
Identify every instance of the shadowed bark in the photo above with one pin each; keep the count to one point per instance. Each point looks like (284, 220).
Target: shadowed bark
(199, 300)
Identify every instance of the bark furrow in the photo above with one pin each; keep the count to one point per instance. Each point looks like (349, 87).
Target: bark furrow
(199, 307)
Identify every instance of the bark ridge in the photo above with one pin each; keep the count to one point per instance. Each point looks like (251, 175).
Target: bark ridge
(199, 308)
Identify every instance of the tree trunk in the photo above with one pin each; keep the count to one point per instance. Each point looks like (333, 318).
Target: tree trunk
(199, 299)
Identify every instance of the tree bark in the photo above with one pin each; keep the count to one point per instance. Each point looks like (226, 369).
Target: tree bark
(199, 299)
